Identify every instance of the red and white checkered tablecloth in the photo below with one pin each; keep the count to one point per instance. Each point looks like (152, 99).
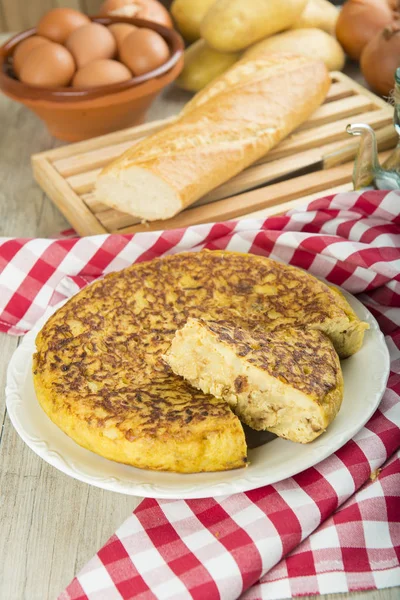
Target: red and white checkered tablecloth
(332, 528)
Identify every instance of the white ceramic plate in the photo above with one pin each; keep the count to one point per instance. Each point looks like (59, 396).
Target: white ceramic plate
(365, 377)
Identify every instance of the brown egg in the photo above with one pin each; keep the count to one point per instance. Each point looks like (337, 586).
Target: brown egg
(101, 72)
(144, 50)
(58, 24)
(120, 31)
(91, 42)
(119, 8)
(151, 10)
(48, 65)
(23, 50)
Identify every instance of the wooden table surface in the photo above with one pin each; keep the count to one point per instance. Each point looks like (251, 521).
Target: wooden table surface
(50, 524)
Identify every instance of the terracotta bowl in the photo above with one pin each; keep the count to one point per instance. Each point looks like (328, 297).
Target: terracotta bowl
(73, 114)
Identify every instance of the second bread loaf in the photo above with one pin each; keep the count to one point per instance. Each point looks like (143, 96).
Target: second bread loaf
(232, 123)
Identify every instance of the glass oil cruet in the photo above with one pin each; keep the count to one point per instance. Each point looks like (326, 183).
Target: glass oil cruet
(367, 172)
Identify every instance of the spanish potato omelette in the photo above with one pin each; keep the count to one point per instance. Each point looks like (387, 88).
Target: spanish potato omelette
(288, 381)
(98, 370)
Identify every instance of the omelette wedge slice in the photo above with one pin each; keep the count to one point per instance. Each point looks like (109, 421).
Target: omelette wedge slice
(162, 426)
(288, 381)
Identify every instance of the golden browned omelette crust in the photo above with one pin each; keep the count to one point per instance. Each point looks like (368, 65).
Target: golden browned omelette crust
(98, 371)
(288, 381)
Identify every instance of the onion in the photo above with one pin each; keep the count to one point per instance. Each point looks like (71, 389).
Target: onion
(360, 20)
(380, 59)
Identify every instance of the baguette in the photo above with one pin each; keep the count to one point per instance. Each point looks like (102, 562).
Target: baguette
(232, 123)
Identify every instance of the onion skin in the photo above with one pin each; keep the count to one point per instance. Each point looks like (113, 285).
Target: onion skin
(380, 59)
(359, 21)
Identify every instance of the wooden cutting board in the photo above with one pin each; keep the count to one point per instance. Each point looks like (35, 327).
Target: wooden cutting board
(315, 160)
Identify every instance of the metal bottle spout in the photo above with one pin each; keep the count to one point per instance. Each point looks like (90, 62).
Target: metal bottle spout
(367, 172)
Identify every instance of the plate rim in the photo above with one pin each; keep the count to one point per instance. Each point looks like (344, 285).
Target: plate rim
(16, 380)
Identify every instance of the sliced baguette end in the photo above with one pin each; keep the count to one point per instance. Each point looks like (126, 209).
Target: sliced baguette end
(138, 192)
